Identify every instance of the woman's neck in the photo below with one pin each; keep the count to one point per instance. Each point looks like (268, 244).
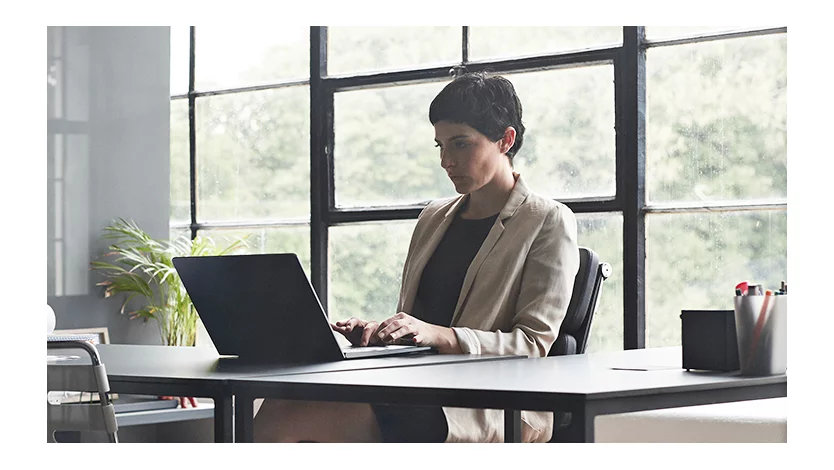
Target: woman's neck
(490, 199)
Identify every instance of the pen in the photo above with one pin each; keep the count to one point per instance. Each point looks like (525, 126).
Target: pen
(757, 331)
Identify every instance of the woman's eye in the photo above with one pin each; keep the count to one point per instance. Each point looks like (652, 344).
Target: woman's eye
(460, 145)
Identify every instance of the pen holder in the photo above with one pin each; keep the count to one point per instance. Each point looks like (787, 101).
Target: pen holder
(762, 333)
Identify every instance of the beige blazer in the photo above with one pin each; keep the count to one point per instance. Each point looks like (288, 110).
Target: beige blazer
(514, 296)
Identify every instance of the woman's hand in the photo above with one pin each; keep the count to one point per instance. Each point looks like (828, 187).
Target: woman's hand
(358, 332)
(402, 326)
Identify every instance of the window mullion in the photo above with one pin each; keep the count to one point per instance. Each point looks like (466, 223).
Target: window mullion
(192, 135)
(630, 97)
(321, 148)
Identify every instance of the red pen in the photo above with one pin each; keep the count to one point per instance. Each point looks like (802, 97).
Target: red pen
(757, 331)
(742, 286)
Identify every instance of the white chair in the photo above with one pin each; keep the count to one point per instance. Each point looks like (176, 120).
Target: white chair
(79, 376)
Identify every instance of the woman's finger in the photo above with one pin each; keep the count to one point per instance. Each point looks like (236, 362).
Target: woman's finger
(385, 328)
(368, 333)
(396, 330)
(406, 331)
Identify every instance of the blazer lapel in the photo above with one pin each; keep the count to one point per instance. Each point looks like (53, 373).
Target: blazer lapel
(517, 197)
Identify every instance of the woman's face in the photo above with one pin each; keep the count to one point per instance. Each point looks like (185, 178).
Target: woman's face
(470, 159)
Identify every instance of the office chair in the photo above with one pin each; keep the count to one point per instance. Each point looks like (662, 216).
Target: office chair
(77, 376)
(575, 329)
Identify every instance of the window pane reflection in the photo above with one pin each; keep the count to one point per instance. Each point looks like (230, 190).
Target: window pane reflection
(717, 120)
(355, 49)
(603, 233)
(180, 184)
(569, 143)
(247, 55)
(491, 42)
(693, 261)
(366, 262)
(384, 151)
(283, 239)
(253, 155)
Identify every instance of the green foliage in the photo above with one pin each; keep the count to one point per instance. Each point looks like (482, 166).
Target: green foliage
(142, 268)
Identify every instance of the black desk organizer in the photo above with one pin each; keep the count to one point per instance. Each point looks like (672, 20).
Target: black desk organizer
(708, 340)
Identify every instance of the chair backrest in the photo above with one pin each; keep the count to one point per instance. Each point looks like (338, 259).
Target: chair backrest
(71, 375)
(573, 334)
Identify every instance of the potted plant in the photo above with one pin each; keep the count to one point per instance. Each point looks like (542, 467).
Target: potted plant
(142, 267)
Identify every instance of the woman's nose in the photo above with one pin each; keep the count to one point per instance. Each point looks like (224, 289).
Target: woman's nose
(445, 161)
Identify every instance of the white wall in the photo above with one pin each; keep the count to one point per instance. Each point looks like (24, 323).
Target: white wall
(108, 157)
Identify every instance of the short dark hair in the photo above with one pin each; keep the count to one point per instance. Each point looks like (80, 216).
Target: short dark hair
(484, 102)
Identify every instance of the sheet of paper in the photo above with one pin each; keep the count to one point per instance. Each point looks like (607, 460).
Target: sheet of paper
(647, 367)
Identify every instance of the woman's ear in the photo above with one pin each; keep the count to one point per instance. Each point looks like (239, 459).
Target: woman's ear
(507, 141)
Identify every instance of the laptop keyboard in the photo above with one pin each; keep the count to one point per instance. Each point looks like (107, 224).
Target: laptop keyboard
(375, 348)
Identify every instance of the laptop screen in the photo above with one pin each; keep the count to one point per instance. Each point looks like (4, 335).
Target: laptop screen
(261, 308)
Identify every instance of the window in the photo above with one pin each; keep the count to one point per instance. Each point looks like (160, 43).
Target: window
(384, 150)
(716, 174)
(569, 144)
(352, 50)
(341, 182)
(253, 153)
(507, 42)
(366, 262)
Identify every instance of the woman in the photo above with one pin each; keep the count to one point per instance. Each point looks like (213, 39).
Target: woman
(487, 272)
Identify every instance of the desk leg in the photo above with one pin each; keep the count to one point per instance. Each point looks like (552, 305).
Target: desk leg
(223, 419)
(244, 421)
(581, 425)
(512, 425)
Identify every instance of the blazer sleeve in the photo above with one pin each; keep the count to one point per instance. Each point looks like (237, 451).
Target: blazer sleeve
(544, 295)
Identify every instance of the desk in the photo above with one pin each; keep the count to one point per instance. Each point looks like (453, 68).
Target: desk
(585, 385)
(201, 372)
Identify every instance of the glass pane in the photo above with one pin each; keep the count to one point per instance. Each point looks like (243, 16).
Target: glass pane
(253, 155)
(490, 42)
(384, 150)
(366, 263)
(244, 55)
(717, 120)
(569, 145)
(180, 53)
(353, 49)
(656, 33)
(180, 184)
(603, 233)
(693, 261)
(280, 239)
(366, 270)
(177, 232)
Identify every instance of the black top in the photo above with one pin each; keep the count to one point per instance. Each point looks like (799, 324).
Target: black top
(442, 278)
(437, 297)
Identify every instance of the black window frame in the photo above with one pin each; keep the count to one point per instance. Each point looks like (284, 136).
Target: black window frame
(629, 62)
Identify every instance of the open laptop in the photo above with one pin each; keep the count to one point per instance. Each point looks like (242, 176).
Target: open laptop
(262, 308)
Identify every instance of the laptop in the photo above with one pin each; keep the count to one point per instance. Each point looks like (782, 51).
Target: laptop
(262, 308)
